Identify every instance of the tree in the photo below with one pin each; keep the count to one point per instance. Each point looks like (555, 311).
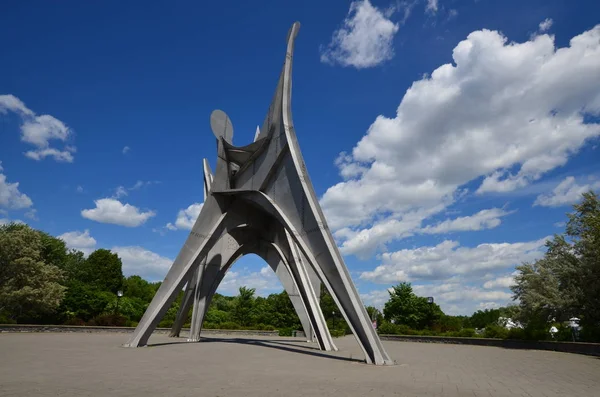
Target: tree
(29, 286)
(103, 269)
(244, 304)
(404, 307)
(566, 281)
(374, 314)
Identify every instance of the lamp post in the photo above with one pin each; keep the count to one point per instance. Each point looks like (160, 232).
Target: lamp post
(119, 295)
(333, 317)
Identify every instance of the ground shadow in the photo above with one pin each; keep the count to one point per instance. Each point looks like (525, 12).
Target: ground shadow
(273, 344)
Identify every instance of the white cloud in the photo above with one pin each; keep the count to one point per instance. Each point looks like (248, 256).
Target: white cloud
(39, 130)
(456, 298)
(120, 191)
(32, 214)
(79, 189)
(110, 210)
(126, 149)
(365, 39)
(565, 193)
(78, 240)
(449, 259)
(265, 281)
(432, 6)
(484, 219)
(502, 282)
(376, 298)
(140, 261)
(546, 24)
(6, 221)
(186, 217)
(504, 112)
(11, 197)
(365, 242)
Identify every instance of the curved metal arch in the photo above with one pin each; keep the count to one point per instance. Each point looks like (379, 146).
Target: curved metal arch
(303, 299)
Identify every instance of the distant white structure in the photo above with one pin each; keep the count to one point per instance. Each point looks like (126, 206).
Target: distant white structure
(509, 323)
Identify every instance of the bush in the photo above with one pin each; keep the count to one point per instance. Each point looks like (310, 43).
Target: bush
(516, 333)
(229, 325)
(590, 333)
(108, 320)
(466, 333)
(167, 323)
(386, 328)
(6, 320)
(336, 333)
(74, 321)
(495, 331)
(285, 331)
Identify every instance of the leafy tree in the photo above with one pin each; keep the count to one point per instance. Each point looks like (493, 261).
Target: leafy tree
(404, 307)
(374, 314)
(29, 286)
(137, 287)
(104, 270)
(482, 318)
(566, 281)
(244, 304)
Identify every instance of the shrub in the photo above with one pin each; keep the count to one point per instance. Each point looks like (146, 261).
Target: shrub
(466, 333)
(388, 328)
(590, 333)
(336, 333)
(74, 321)
(108, 320)
(6, 320)
(495, 331)
(229, 325)
(167, 323)
(285, 331)
(516, 333)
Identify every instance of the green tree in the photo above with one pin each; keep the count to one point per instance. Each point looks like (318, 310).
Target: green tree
(29, 286)
(404, 307)
(103, 269)
(244, 304)
(566, 281)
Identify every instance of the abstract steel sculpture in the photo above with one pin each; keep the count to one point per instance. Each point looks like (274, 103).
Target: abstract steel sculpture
(262, 201)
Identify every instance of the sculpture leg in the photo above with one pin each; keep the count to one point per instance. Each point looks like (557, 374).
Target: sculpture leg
(186, 304)
(196, 247)
(290, 287)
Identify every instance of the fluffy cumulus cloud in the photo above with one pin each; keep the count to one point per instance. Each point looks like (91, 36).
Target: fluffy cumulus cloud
(110, 210)
(39, 131)
(265, 281)
(78, 240)
(186, 217)
(140, 261)
(449, 259)
(565, 193)
(10, 196)
(504, 113)
(365, 39)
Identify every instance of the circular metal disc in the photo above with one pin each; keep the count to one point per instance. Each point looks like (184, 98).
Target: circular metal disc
(221, 125)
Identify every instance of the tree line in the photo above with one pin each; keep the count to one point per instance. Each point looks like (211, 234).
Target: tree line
(44, 282)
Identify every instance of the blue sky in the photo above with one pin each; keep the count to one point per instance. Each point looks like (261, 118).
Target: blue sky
(445, 139)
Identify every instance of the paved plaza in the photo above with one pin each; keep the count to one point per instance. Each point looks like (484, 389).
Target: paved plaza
(76, 364)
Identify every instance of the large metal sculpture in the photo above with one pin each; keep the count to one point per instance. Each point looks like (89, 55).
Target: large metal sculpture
(262, 201)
